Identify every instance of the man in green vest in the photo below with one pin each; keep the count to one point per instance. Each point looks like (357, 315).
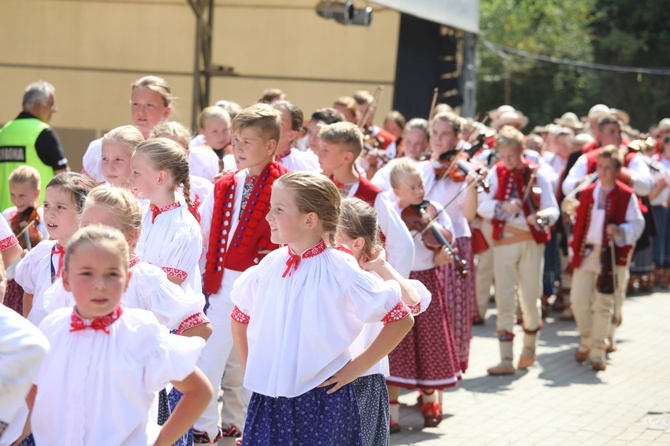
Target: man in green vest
(29, 139)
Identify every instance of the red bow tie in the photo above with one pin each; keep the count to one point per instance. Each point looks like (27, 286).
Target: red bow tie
(59, 251)
(294, 259)
(100, 323)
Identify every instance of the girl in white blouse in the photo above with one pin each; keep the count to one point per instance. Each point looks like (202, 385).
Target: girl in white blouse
(358, 231)
(63, 203)
(171, 237)
(98, 381)
(297, 314)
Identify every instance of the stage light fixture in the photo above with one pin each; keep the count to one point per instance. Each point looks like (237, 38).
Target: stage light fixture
(344, 12)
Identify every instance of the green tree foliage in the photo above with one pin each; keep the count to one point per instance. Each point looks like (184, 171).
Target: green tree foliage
(614, 32)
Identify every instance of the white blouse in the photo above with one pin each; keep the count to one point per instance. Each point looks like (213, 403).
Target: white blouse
(297, 161)
(97, 388)
(92, 161)
(203, 162)
(22, 348)
(302, 326)
(148, 289)
(173, 242)
(34, 276)
(372, 330)
(443, 192)
(7, 237)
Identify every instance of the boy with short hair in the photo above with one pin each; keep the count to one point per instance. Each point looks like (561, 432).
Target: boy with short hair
(291, 124)
(24, 189)
(237, 236)
(608, 213)
(341, 145)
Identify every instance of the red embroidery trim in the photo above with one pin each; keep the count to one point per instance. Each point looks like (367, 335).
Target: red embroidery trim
(282, 155)
(415, 309)
(294, 259)
(192, 321)
(100, 323)
(134, 260)
(338, 184)
(156, 211)
(239, 316)
(8, 242)
(398, 312)
(174, 272)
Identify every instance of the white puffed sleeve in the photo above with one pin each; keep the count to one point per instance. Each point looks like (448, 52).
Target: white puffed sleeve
(244, 292)
(173, 358)
(376, 300)
(29, 270)
(183, 252)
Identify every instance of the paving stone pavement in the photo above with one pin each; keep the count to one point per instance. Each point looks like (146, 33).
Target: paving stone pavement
(558, 401)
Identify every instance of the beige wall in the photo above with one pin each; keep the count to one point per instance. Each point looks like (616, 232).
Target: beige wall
(92, 51)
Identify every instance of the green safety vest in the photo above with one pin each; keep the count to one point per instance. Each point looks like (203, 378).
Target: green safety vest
(17, 148)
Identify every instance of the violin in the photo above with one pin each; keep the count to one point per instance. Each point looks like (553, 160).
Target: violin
(532, 196)
(433, 235)
(373, 144)
(455, 164)
(24, 226)
(605, 282)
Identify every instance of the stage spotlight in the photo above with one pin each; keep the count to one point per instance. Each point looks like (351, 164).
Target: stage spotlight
(362, 16)
(341, 12)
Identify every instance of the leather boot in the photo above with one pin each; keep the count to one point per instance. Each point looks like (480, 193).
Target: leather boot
(506, 358)
(527, 357)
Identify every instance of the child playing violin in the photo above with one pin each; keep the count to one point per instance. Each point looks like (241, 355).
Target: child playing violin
(26, 219)
(427, 357)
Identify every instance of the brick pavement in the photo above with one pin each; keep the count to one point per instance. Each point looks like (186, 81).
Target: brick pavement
(559, 401)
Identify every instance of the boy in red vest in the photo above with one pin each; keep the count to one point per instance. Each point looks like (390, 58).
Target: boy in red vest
(608, 212)
(520, 216)
(341, 145)
(237, 236)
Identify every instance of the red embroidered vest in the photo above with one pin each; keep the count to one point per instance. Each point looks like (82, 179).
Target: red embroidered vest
(504, 192)
(591, 165)
(252, 234)
(616, 204)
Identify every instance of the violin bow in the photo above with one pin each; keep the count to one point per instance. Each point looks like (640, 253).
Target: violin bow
(378, 97)
(444, 208)
(32, 222)
(613, 256)
(433, 102)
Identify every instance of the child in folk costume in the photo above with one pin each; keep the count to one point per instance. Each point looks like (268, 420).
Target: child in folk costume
(608, 212)
(208, 149)
(237, 236)
(149, 288)
(291, 124)
(171, 238)
(200, 187)
(427, 358)
(63, 203)
(521, 216)
(98, 381)
(461, 299)
(296, 317)
(26, 218)
(150, 104)
(358, 231)
(118, 146)
(22, 349)
(341, 145)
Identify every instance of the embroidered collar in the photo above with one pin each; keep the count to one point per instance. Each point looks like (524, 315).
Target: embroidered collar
(134, 260)
(156, 211)
(294, 259)
(338, 184)
(99, 323)
(282, 155)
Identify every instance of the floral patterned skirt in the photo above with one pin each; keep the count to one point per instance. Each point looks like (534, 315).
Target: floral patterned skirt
(308, 419)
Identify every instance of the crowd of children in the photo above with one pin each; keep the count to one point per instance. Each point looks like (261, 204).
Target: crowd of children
(291, 265)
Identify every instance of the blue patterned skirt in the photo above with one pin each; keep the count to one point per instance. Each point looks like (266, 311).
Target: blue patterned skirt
(373, 406)
(305, 420)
